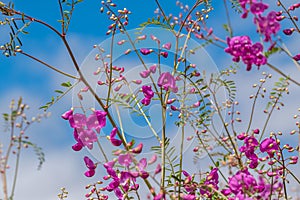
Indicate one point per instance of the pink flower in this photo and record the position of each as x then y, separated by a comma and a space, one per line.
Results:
146, 51
146, 101
167, 81
250, 143
101, 116
167, 46
138, 149
78, 146
267, 25
269, 145
125, 159
241, 184
212, 180
159, 196
87, 137
145, 74
141, 166
77, 121
157, 169
240, 47
256, 131
67, 114
148, 93
153, 159
91, 167
258, 8
164, 54
297, 57
93, 123
112, 138
152, 69
288, 31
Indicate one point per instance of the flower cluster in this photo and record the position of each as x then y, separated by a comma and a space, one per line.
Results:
211, 182
167, 81
256, 8
242, 186
250, 144
85, 127
148, 93
270, 146
124, 181
267, 25
241, 47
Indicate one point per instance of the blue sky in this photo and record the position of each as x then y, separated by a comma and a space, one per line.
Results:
20, 76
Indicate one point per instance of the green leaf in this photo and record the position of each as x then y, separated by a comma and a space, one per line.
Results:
66, 84
59, 91
5, 116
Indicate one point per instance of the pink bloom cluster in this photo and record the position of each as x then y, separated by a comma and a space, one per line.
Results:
267, 25
125, 181
241, 47
167, 81
242, 185
250, 144
255, 8
211, 181
268, 145
148, 93
85, 127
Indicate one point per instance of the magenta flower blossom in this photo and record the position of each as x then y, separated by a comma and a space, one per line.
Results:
78, 146
146, 51
212, 181
269, 145
146, 101
88, 137
152, 69
258, 8
159, 196
112, 138
164, 54
101, 116
189, 197
242, 136
242, 184
148, 93
167, 81
288, 31
267, 25
138, 149
250, 143
145, 74
91, 167
297, 57
84, 127
141, 166
67, 114
125, 159
240, 47
77, 121
167, 46
157, 169
92, 123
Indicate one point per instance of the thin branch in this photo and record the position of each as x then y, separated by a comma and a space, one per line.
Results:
283, 74
49, 66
